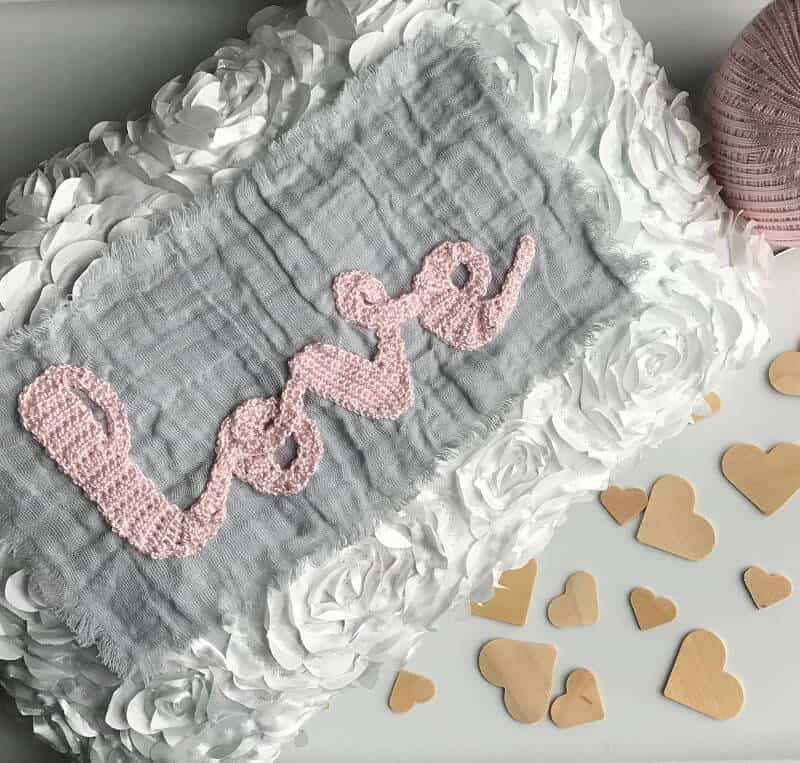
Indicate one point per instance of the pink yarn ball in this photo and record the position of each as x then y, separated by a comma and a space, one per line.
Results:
753, 106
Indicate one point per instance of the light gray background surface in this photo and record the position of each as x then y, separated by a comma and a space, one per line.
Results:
70, 63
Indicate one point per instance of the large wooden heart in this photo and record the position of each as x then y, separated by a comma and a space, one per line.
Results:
698, 678
524, 671
769, 480
578, 605
671, 524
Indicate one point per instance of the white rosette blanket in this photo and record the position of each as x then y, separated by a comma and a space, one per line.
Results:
590, 85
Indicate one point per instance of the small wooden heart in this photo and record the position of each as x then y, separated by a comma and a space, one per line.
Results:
671, 524
512, 596
409, 689
623, 504
581, 703
784, 373
524, 671
650, 610
698, 678
578, 605
710, 405
766, 589
769, 480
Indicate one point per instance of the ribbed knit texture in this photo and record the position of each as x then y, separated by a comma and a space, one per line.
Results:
753, 105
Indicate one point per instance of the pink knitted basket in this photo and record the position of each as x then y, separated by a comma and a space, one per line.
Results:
754, 113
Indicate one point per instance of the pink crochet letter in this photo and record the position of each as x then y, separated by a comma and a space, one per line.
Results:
95, 454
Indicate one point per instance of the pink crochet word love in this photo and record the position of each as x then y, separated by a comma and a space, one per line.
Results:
96, 455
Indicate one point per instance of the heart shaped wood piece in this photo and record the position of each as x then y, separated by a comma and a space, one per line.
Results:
512, 596
524, 671
765, 589
581, 703
698, 678
671, 524
784, 373
650, 610
409, 689
578, 605
711, 404
769, 480
623, 504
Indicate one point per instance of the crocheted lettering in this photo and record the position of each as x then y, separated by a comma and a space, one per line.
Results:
94, 451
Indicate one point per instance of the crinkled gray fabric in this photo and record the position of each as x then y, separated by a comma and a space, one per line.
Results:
205, 314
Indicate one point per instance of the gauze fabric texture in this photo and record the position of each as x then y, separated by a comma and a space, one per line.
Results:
207, 312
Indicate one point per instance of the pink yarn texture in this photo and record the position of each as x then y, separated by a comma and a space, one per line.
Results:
95, 453
753, 105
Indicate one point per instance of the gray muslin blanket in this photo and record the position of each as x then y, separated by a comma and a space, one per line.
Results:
205, 314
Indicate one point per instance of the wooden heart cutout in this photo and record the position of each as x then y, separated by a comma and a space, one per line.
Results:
784, 373
765, 589
650, 610
711, 405
524, 671
698, 678
623, 504
512, 596
409, 689
581, 703
578, 605
769, 480
671, 524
